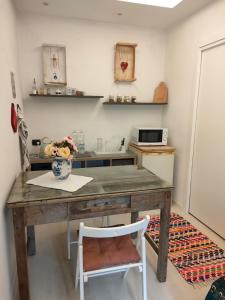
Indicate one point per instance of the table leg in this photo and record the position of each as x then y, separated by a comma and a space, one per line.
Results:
163, 239
134, 217
31, 245
21, 253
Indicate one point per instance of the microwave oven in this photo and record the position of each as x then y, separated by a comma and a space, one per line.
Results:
149, 136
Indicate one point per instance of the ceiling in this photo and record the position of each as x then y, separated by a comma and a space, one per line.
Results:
114, 11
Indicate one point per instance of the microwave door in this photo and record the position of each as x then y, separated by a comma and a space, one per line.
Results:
151, 136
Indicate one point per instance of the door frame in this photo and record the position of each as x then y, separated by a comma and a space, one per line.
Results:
205, 45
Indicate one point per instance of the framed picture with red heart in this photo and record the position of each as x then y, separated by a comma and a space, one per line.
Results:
124, 65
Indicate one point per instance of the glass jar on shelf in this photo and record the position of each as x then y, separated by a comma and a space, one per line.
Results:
78, 137
99, 147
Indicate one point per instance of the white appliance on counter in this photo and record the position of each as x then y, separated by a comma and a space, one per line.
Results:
149, 136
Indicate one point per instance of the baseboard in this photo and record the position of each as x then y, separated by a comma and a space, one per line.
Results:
179, 205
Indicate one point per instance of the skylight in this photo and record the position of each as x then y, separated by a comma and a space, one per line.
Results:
161, 3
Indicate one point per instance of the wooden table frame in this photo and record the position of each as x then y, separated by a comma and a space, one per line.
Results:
93, 206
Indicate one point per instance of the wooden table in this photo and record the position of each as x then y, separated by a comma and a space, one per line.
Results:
114, 190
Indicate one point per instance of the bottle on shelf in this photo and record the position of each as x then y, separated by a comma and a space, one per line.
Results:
34, 87
78, 137
122, 147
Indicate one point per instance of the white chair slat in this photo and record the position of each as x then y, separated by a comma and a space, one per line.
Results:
114, 231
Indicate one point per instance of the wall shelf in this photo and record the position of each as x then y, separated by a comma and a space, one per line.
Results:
67, 96
135, 103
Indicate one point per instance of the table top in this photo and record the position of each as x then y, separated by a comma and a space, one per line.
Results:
107, 182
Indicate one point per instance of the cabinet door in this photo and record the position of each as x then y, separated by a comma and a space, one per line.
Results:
160, 164
207, 200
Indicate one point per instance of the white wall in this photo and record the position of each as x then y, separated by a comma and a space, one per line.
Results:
9, 150
90, 67
181, 66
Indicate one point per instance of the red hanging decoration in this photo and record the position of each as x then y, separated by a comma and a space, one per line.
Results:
124, 65
13, 118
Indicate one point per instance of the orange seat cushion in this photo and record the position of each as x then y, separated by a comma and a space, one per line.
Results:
99, 253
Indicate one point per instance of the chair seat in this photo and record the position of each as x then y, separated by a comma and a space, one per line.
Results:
99, 253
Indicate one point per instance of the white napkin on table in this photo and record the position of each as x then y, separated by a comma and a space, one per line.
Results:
71, 184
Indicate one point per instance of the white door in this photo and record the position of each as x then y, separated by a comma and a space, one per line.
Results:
207, 198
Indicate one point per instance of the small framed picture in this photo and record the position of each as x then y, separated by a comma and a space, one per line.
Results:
54, 64
124, 65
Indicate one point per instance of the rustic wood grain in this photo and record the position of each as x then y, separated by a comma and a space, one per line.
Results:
152, 149
99, 207
134, 217
114, 190
148, 201
152, 243
45, 213
110, 181
128, 50
21, 253
31, 243
163, 238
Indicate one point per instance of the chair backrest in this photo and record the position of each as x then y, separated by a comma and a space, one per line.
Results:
113, 231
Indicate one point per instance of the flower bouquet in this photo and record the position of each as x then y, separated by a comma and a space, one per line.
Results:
62, 153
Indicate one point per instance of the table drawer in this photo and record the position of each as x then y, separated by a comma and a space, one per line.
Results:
147, 201
99, 207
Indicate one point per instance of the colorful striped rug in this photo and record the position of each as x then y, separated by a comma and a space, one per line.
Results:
194, 255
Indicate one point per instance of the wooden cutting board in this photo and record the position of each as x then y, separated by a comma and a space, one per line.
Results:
161, 93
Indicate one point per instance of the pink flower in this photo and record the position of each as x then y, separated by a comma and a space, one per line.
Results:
69, 139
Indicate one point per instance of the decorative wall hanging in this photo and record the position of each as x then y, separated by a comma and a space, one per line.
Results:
23, 134
54, 64
13, 85
13, 118
124, 62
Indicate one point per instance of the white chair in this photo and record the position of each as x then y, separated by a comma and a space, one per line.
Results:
103, 251
70, 241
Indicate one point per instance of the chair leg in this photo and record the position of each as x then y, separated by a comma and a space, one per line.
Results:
81, 273
68, 239
77, 270
81, 289
144, 275
125, 274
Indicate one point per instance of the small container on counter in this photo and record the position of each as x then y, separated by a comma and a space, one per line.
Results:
126, 99
99, 147
69, 91
133, 99
111, 99
119, 99
78, 137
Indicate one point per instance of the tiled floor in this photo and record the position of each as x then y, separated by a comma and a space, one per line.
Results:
51, 274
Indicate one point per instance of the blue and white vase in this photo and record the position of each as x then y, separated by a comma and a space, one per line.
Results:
61, 168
